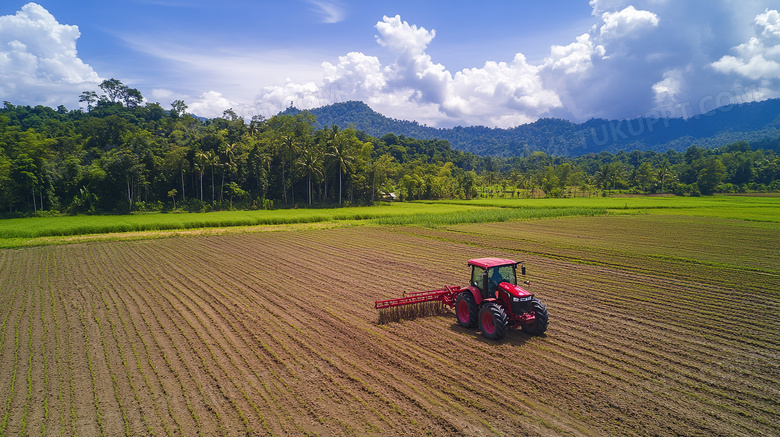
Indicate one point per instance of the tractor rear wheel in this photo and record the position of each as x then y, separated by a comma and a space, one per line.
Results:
466, 310
539, 325
493, 321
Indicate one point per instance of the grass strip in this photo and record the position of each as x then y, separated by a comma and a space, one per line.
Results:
487, 215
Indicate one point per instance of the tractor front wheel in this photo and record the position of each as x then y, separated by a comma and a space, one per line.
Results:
466, 310
493, 321
538, 326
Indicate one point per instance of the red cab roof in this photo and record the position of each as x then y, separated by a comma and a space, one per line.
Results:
487, 263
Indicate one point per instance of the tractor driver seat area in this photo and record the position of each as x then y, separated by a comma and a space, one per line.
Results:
494, 278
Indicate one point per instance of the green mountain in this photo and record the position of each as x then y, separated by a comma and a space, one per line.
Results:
756, 122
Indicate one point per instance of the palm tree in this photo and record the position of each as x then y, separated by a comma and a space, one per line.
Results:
602, 176
201, 162
342, 155
291, 144
211, 160
663, 173
255, 126
608, 173
260, 161
310, 161
381, 166
230, 154
287, 143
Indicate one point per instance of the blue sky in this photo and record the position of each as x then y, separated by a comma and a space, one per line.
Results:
441, 63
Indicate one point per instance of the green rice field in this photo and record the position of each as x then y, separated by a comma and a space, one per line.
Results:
55, 230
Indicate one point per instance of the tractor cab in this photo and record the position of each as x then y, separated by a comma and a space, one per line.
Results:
488, 273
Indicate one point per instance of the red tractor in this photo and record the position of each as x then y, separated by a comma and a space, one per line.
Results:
493, 301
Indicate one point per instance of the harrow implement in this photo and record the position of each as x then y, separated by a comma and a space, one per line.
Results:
493, 302
417, 304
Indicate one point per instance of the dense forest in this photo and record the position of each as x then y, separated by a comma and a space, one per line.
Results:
120, 155
755, 122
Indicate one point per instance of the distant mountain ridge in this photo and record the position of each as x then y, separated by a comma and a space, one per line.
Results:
755, 122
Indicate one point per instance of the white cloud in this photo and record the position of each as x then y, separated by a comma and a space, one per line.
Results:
662, 57
754, 67
769, 22
329, 11
210, 104
668, 90
576, 57
637, 55
414, 86
759, 58
305, 95
413, 68
163, 94
499, 92
357, 74
601, 6
595, 76
402, 38
39, 63
626, 23
236, 72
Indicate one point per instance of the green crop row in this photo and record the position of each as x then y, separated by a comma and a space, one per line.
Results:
11, 390
179, 377
137, 358
225, 347
91, 366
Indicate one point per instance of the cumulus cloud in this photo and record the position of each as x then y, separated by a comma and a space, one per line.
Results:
769, 23
210, 102
499, 93
638, 57
627, 22
576, 57
356, 74
759, 58
667, 90
635, 57
515, 89
414, 86
39, 63
402, 38
645, 57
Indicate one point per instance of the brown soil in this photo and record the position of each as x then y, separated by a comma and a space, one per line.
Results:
275, 333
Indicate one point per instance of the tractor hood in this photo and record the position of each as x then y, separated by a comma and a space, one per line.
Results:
514, 290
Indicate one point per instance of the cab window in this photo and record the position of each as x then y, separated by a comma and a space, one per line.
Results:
476, 276
504, 274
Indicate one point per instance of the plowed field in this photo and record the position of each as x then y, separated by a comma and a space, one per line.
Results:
658, 326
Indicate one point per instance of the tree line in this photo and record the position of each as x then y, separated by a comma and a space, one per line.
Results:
121, 155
